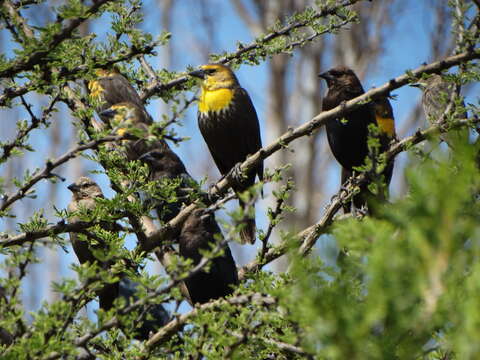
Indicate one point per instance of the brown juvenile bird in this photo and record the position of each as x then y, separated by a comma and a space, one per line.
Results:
199, 231
348, 138
111, 88
439, 101
229, 124
85, 191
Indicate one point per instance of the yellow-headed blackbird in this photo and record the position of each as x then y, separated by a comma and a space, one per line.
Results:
85, 191
125, 115
348, 136
112, 88
439, 101
229, 124
199, 231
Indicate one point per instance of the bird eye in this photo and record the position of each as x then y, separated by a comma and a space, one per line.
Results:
210, 71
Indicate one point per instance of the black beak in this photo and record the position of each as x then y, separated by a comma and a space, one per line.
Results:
109, 113
72, 187
416, 85
198, 74
327, 76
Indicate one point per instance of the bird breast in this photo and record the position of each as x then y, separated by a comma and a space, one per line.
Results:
215, 100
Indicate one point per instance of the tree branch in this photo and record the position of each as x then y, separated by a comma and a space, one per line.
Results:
46, 172
306, 129
37, 56
158, 87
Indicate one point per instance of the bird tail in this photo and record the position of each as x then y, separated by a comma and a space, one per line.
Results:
248, 231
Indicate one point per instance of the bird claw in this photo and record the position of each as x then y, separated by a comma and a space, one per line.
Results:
237, 174
212, 195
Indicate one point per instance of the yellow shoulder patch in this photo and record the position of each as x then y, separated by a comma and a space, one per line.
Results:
95, 89
386, 125
215, 100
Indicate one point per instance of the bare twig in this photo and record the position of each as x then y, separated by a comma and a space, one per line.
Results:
46, 171
37, 56
158, 87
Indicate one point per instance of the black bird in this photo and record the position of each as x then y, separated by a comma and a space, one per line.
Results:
348, 136
199, 231
229, 124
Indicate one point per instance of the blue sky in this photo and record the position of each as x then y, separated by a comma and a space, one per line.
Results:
408, 48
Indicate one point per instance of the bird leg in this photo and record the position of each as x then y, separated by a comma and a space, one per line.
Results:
238, 176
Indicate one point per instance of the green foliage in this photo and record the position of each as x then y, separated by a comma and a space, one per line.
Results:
405, 284
403, 280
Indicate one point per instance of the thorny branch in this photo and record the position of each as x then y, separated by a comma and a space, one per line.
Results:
306, 129
157, 87
46, 172
274, 218
37, 56
23, 133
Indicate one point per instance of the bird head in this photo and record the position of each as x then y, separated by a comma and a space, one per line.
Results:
427, 83
216, 76
340, 76
85, 187
123, 115
153, 157
103, 73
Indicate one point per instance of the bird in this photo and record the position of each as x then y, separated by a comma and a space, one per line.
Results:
229, 125
165, 165
439, 101
155, 317
127, 115
348, 139
85, 191
110, 87
385, 121
199, 232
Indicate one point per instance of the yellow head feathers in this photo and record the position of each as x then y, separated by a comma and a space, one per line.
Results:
218, 87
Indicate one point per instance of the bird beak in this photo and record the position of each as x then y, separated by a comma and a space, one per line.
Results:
72, 187
416, 85
146, 158
326, 76
198, 74
109, 113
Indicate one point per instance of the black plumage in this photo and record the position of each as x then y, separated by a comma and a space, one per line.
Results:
229, 124
198, 233
348, 136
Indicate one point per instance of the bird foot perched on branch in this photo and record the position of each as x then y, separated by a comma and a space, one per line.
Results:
237, 174
212, 195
